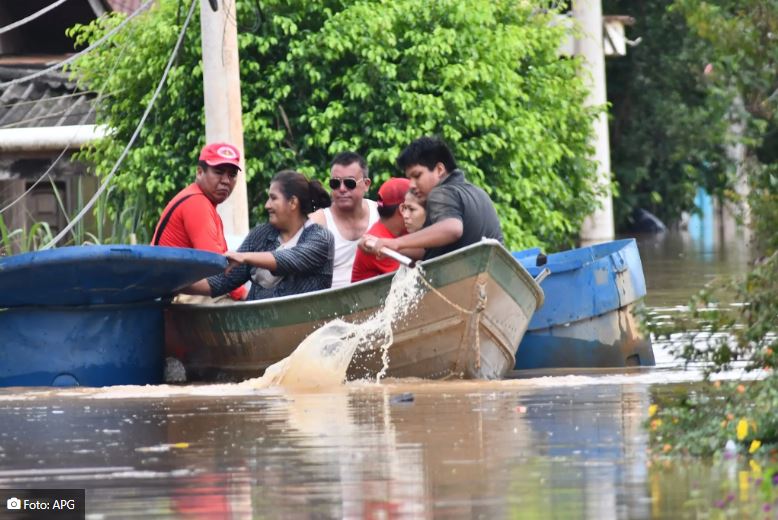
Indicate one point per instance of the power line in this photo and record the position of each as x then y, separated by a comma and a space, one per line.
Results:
62, 63
135, 134
93, 107
28, 190
52, 98
33, 16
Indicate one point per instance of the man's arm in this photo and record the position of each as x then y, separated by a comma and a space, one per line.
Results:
440, 234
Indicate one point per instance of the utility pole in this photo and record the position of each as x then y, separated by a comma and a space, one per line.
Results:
221, 93
597, 227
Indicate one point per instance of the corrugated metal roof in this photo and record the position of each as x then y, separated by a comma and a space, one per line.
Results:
49, 100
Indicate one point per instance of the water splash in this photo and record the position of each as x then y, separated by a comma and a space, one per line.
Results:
322, 359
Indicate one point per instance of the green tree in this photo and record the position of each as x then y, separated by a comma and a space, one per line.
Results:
321, 77
740, 39
670, 123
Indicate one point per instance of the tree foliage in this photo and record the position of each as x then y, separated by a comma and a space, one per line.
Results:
740, 41
670, 124
322, 77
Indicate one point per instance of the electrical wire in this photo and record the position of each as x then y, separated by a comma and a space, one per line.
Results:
96, 44
92, 108
135, 134
52, 98
33, 16
32, 187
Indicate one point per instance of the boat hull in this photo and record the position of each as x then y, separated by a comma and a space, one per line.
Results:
589, 320
608, 341
467, 327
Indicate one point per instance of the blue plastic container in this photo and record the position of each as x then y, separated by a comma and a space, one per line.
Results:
91, 315
96, 345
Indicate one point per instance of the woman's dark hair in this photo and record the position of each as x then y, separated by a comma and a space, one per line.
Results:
427, 151
311, 194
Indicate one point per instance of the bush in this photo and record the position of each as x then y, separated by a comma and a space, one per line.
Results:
321, 77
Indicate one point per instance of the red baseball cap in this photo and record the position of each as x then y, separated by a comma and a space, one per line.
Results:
392, 192
215, 154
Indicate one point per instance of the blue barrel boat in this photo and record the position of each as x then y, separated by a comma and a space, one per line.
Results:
91, 315
588, 318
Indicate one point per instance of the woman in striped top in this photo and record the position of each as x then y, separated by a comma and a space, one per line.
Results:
287, 255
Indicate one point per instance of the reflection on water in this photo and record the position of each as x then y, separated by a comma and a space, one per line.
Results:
552, 447
676, 265
368, 451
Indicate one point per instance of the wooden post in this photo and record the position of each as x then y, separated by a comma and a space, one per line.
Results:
598, 226
221, 93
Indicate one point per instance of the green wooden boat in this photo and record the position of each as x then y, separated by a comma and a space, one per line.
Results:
468, 326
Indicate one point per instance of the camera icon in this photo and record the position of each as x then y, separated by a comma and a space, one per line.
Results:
13, 503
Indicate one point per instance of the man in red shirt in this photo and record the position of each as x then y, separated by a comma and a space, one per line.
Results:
391, 195
190, 218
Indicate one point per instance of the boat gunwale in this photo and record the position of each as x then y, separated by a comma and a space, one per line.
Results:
496, 248
598, 252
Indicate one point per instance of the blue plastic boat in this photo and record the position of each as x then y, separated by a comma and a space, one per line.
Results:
91, 315
587, 320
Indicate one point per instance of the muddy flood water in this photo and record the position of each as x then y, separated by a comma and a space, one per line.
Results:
560, 446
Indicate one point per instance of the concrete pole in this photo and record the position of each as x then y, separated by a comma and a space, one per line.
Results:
221, 92
597, 227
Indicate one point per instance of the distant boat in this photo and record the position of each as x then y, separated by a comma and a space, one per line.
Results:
467, 327
587, 320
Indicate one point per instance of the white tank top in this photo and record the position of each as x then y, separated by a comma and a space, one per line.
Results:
346, 250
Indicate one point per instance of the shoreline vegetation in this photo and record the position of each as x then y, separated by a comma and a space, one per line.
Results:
712, 88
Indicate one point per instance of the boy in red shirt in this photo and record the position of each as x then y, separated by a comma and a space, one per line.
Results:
391, 195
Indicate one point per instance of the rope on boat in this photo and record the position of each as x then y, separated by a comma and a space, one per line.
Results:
477, 313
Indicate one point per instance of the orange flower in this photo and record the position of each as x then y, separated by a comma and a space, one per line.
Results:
667, 447
741, 388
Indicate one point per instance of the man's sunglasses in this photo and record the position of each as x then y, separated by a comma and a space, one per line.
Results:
349, 182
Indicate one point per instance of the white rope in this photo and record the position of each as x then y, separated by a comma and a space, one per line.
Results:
475, 321
20, 197
33, 16
135, 134
62, 63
